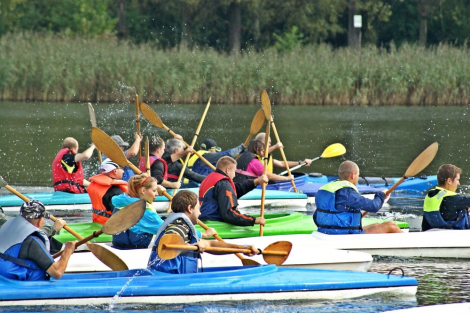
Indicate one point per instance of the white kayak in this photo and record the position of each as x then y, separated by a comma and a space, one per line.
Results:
439, 308
301, 256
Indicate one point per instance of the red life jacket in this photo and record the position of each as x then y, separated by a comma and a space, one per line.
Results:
210, 181
63, 180
143, 165
96, 190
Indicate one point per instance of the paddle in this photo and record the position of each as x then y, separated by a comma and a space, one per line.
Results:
331, 151
188, 156
244, 260
266, 104
256, 124
120, 221
263, 188
104, 255
137, 118
93, 124
418, 164
153, 118
147, 156
110, 148
171, 245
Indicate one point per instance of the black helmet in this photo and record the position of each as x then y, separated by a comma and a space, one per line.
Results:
33, 210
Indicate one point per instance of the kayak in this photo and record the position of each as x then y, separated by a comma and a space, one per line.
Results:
63, 201
214, 284
299, 257
276, 224
411, 184
438, 308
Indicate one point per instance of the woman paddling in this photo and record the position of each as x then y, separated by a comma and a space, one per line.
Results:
250, 164
139, 236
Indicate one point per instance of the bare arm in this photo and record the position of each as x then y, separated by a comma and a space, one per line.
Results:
203, 244
57, 269
85, 155
134, 149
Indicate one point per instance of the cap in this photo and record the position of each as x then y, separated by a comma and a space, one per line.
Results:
33, 210
108, 165
209, 144
117, 139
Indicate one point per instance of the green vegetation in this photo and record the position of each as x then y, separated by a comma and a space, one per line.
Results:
59, 68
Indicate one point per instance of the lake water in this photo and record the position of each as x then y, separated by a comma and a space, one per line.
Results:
382, 140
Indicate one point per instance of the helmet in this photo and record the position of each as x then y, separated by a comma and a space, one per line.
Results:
33, 210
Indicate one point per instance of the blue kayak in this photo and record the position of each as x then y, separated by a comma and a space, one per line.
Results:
214, 284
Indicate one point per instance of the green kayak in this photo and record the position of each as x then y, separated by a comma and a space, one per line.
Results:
276, 224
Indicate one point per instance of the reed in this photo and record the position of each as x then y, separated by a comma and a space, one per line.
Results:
58, 68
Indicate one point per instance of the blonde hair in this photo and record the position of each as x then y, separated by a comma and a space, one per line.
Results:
224, 162
139, 181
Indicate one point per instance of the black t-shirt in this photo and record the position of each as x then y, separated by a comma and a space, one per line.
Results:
112, 191
69, 159
34, 249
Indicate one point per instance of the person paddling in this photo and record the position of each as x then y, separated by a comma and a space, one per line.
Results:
443, 207
339, 206
186, 212
139, 236
25, 247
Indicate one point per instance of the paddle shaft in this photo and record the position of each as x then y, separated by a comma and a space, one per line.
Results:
389, 191
147, 156
82, 241
137, 120
299, 166
265, 170
193, 142
256, 124
283, 155
229, 250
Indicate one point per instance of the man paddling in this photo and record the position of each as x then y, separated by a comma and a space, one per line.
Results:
24, 248
186, 212
339, 206
218, 195
443, 207
67, 170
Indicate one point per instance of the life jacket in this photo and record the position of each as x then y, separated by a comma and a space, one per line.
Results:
13, 234
152, 159
129, 239
185, 262
200, 167
331, 221
96, 190
242, 164
432, 213
128, 173
67, 180
270, 163
209, 206
195, 157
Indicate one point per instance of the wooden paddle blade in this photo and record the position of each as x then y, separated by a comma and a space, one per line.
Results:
3, 183
108, 146
92, 115
107, 257
272, 255
334, 150
168, 254
257, 123
249, 262
422, 160
150, 115
266, 104
125, 218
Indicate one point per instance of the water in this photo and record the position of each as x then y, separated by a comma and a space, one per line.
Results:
382, 140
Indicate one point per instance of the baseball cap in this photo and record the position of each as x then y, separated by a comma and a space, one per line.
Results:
209, 144
117, 139
108, 165
33, 210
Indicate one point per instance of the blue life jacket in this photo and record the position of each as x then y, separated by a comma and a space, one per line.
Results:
185, 262
331, 221
128, 173
129, 239
209, 205
432, 213
13, 234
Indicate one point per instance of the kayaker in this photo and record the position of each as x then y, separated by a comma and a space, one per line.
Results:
186, 212
278, 163
218, 195
103, 188
139, 236
174, 151
339, 206
443, 207
158, 166
24, 248
212, 153
131, 152
250, 164
67, 170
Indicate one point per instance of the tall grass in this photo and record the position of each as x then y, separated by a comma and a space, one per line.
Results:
58, 68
